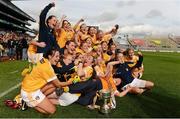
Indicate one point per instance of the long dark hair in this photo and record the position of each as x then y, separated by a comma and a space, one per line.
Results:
49, 18
50, 52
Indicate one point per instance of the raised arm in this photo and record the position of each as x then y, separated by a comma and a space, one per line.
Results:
59, 24
77, 24
113, 31
77, 38
44, 14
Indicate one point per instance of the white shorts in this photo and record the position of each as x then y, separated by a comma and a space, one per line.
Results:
32, 99
67, 98
34, 58
139, 83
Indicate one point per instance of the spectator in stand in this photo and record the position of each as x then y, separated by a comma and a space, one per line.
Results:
24, 48
11, 46
19, 49
1, 50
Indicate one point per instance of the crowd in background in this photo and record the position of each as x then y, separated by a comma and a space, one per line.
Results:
13, 45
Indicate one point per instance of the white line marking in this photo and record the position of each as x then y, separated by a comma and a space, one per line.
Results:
9, 90
13, 72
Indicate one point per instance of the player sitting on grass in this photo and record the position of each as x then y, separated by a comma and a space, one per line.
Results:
123, 71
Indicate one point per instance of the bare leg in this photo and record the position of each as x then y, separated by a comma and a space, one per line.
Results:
48, 89
47, 86
40, 110
52, 96
54, 101
136, 90
149, 85
124, 92
46, 107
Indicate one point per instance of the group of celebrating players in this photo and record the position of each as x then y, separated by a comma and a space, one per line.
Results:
70, 64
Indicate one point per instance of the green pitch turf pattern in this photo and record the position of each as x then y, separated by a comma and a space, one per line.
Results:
162, 101
10, 73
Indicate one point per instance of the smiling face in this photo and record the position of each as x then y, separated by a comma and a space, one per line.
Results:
100, 34
54, 58
83, 28
91, 31
71, 47
120, 57
104, 46
88, 60
68, 59
65, 24
99, 49
85, 47
131, 53
89, 42
52, 22
113, 47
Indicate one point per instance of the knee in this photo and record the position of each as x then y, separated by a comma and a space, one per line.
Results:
150, 84
136, 91
52, 110
139, 91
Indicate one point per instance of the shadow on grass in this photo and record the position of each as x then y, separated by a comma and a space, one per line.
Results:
158, 104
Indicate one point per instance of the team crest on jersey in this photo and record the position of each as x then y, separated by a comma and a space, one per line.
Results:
37, 98
42, 61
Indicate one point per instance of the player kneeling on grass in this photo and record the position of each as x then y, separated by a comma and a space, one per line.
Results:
34, 84
123, 71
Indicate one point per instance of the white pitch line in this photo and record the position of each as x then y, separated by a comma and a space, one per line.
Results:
13, 72
9, 90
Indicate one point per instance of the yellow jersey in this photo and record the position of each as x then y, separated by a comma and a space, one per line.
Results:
88, 72
106, 57
78, 50
82, 36
63, 37
107, 82
40, 75
133, 60
93, 38
107, 38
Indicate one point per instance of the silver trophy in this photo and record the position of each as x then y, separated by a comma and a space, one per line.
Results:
105, 102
